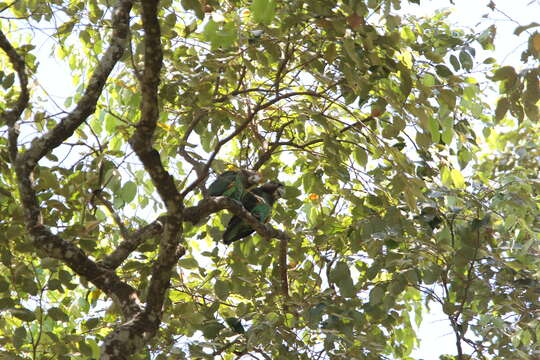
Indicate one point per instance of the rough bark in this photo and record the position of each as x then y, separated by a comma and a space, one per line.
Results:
128, 338
141, 321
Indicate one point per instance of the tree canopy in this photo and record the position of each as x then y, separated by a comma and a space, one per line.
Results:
410, 159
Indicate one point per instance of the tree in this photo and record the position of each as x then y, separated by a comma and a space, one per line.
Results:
404, 187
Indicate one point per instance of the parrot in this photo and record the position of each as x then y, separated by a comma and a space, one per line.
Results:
234, 184
259, 203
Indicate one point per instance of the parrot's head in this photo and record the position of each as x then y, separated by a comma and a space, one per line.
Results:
253, 177
275, 188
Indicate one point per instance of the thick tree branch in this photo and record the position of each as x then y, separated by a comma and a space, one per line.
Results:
130, 336
87, 104
142, 139
11, 116
196, 214
211, 205
103, 278
51, 244
134, 239
131, 242
25, 163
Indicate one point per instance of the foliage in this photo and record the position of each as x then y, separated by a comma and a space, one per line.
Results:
404, 187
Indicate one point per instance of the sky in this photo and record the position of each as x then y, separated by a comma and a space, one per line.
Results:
435, 333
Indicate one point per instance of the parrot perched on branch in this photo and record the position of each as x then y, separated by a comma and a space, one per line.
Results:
234, 184
259, 203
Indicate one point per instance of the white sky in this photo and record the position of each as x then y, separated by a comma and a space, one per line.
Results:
436, 335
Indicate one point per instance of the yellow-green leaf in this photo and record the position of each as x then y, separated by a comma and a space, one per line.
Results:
457, 178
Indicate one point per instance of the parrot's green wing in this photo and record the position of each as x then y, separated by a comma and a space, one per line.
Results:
226, 184
237, 227
259, 203
236, 189
233, 184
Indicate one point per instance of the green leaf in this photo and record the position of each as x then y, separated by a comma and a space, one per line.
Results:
431, 275
8, 81
128, 191
457, 178
23, 314
434, 127
194, 5
466, 60
455, 63
446, 176
111, 123
85, 349
523, 28
341, 275
314, 315
222, 289
448, 97
447, 135
360, 156
412, 276
503, 104
220, 35
376, 294
464, 156
428, 80
504, 73
443, 71
263, 11
212, 328
57, 314
188, 263
397, 285
19, 337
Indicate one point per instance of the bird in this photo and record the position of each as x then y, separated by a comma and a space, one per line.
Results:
259, 203
234, 183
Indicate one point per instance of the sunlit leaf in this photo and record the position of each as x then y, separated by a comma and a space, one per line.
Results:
263, 11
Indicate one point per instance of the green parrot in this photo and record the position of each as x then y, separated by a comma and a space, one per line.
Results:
234, 184
258, 202
235, 324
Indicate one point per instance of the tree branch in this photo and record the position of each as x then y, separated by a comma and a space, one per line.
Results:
103, 278
124, 232
131, 242
194, 215
87, 104
238, 130
11, 116
211, 205
283, 250
141, 141
52, 244
267, 154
